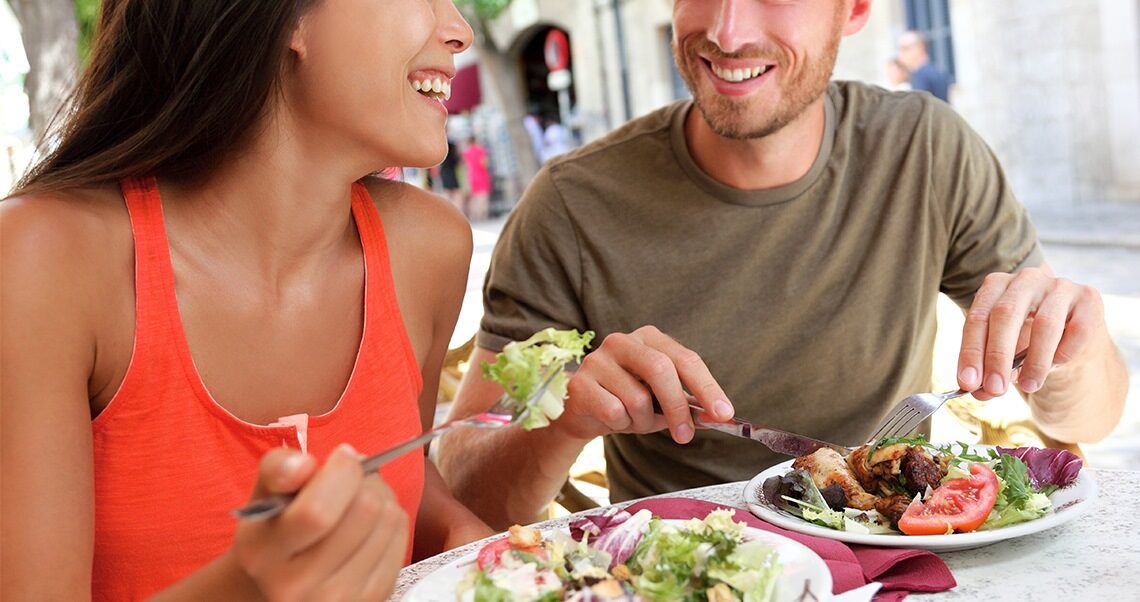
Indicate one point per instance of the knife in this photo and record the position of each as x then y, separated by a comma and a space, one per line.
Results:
781, 442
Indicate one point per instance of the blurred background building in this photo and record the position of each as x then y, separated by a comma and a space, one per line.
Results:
1052, 85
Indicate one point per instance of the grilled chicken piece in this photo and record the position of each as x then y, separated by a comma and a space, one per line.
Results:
880, 474
827, 467
893, 508
920, 470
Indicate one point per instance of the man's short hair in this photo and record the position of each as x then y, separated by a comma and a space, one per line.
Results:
912, 38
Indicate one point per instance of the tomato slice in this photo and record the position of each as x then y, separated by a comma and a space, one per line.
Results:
491, 554
960, 505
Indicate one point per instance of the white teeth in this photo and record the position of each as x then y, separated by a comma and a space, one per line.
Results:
738, 75
439, 88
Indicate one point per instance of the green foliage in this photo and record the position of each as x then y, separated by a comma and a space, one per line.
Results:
87, 14
484, 9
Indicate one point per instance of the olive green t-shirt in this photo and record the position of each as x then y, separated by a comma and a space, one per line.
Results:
813, 304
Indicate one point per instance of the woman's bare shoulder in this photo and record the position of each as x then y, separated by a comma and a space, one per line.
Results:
79, 234
420, 217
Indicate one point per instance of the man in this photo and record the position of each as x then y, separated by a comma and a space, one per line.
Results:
924, 75
791, 236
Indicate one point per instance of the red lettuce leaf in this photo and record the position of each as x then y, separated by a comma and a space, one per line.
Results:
616, 532
1047, 466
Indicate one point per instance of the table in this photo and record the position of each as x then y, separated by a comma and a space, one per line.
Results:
1094, 557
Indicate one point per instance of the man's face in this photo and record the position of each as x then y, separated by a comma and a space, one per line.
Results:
753, 66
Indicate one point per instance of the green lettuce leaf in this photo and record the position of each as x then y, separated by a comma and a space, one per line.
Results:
522, 366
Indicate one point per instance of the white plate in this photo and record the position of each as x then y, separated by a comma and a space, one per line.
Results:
1068, 503
804, 572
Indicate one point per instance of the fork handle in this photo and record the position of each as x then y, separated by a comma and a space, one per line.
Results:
272, 505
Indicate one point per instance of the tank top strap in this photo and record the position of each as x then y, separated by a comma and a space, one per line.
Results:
384, 330
155, 302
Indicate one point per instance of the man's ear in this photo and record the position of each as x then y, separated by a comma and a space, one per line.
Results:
857, 16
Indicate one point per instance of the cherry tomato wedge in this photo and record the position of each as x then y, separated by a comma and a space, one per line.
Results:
491, 554
960, 505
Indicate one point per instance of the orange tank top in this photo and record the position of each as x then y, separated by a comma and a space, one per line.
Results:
170, 463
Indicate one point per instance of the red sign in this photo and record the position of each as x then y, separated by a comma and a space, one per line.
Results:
556, 50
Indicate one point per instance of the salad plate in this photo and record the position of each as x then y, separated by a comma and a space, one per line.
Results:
1068, 503
803, 576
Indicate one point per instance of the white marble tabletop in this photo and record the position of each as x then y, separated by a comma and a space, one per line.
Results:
1094, 557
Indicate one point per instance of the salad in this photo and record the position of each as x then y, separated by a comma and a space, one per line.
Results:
619, 556
522, 367
911, 486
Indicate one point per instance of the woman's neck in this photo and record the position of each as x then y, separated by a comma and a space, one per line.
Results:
281, 206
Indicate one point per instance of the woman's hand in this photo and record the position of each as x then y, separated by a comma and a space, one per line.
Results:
343, 537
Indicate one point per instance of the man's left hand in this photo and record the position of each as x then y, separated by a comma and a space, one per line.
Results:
1053, 318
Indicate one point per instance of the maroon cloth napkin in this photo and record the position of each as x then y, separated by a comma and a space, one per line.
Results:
900, 570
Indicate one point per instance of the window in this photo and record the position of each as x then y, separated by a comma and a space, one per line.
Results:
932, 18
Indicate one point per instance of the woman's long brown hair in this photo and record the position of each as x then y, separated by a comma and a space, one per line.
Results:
172, 89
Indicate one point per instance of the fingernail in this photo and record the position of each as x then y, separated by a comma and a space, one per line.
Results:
969, 376
1029, 385
348, 449
723, 408
995, 385
292, 464
684, 433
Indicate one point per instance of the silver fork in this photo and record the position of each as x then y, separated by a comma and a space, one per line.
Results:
496, 416
911, 411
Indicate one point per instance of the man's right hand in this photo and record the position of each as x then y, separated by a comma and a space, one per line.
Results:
614, 389
344, 536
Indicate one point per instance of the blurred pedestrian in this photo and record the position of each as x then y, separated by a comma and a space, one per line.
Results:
533, 124
898, 76
478, 180
924, 75
449, 176
556, 139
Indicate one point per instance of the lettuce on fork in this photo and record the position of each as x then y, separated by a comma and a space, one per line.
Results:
522, 366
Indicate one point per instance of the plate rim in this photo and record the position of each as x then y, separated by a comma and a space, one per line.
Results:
1063, 513
822, 568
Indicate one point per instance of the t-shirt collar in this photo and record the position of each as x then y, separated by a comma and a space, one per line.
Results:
737, 196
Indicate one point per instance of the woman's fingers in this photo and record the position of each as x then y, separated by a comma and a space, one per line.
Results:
371, 570
330, 538
339, 562
321, 503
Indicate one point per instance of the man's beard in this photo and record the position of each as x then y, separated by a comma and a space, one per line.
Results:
743, 118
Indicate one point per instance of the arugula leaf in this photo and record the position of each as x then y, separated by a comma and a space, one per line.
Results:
889, 441
1015, 477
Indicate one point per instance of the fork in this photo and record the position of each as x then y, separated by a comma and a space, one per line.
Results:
911, 411
497, 416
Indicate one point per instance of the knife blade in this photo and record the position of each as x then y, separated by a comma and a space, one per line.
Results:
779, 441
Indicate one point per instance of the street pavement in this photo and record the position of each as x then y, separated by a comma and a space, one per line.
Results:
1097, 245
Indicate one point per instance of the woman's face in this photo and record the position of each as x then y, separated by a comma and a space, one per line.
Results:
356, 82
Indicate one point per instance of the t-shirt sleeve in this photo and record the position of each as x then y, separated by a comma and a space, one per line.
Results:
988, 229
534, 278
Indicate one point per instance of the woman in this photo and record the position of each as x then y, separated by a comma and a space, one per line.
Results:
203, 292
478, 180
